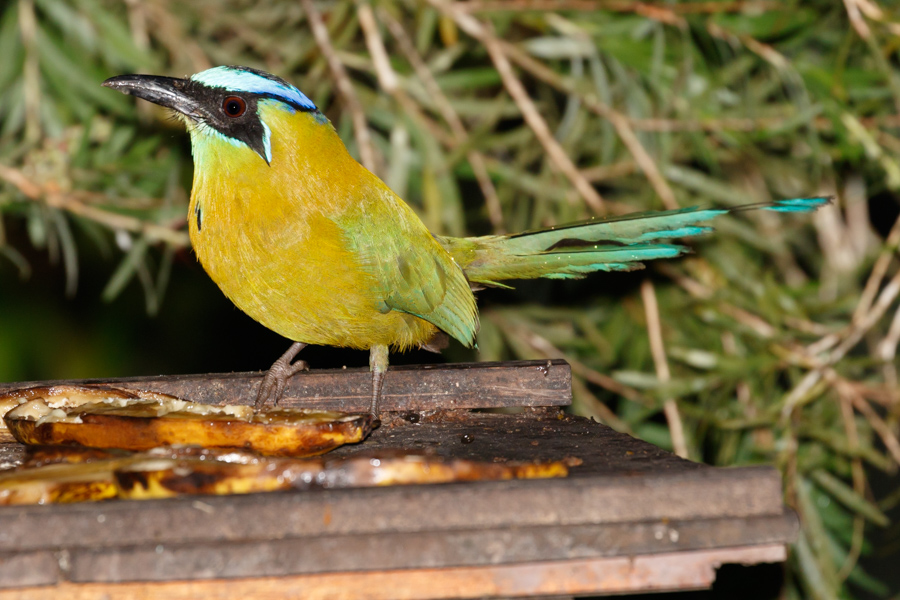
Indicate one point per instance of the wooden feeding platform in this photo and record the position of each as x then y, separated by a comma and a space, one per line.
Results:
629, 518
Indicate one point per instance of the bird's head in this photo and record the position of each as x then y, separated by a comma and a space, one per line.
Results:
227, 104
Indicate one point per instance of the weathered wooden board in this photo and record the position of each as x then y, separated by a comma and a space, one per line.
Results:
421, 387
626, 498
741, 493
420, 550
656, 573
630, 517
528, 436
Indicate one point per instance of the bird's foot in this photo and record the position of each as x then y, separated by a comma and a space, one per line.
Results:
378, 364
377, 385
273, 384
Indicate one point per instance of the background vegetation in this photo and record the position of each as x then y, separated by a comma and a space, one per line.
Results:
775, 343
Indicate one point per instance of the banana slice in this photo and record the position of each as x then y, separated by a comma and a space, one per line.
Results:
223, 474
59, 396
62, 475
101, 417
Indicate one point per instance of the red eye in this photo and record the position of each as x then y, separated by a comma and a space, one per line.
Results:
234, 106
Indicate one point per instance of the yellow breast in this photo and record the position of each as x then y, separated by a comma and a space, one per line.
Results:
268, 236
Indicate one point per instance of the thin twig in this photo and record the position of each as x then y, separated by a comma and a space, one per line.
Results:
859, 481
367, 154
879, 269
858, 328
856, 19
620, 123
693, 287
866, 313
843, 343
881, 394
532, 116
762, 327
658, 350
662, 125
764, 51
887, 352
387, 78
598, 407
617, 6
799, 393
476, 159
56, 199
700, 291
881, 428
594, 376
599, 173
497, 51
640, 154
137, 22
806, 326
547, 350
169, 31
31, 73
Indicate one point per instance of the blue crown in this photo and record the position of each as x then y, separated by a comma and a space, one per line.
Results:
252, 81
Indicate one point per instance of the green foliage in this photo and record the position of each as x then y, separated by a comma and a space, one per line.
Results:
778, 338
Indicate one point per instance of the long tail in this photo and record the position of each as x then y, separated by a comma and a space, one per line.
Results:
614, 244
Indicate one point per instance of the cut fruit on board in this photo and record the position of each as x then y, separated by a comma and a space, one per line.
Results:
63, 475
103, 417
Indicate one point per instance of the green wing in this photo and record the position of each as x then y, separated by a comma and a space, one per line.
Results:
415, 274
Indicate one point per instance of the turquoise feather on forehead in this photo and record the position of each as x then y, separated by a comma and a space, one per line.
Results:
251, 81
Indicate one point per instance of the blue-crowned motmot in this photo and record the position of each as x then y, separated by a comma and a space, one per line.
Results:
311, 244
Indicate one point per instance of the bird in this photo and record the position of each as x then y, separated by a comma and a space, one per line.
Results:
312, 245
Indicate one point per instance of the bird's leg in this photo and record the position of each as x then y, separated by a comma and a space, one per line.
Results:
273, 384
378, 364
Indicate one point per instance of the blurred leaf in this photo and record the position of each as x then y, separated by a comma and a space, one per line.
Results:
126, 270
844, 494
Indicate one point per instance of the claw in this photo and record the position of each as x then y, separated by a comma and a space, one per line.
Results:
273, 384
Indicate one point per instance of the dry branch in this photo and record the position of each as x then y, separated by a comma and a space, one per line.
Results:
67, 202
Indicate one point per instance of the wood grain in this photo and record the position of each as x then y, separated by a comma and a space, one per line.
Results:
421, 387
662, 572
421, 550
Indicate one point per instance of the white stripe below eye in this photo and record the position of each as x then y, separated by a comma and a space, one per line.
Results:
267, 141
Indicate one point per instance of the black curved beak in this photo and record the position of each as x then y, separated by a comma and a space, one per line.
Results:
165, 91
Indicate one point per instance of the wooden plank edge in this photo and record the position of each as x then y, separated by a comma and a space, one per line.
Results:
390, 551
738, 492
29, 569
661, 572
406, 388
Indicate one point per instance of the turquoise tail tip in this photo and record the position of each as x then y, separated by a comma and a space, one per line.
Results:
798, 205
